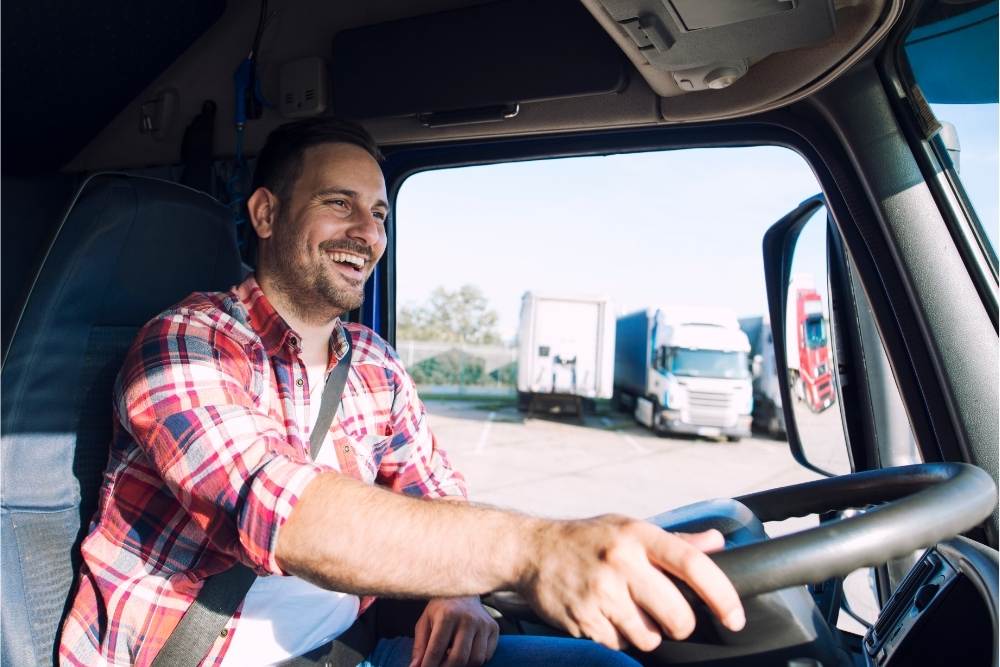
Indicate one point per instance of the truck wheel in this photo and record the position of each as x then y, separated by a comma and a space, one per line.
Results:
657, 430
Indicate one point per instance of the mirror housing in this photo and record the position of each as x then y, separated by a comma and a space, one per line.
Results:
779, 249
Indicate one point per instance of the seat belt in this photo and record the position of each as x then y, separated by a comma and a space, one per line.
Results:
221, 594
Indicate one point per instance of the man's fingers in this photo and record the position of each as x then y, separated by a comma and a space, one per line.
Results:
707, 541
663, 603
437, 643
461, 647
678, 557
635, 626
598, 628
421, 633
480, 651
493, 636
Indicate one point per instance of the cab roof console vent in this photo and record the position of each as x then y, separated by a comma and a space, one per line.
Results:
711, 45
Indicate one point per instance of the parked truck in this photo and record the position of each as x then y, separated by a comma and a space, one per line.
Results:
767, 413
684, 370
565, 355
808, 345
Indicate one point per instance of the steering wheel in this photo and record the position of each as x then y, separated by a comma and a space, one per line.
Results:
918, 506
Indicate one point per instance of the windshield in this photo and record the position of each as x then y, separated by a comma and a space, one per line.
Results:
815, 332
708, 363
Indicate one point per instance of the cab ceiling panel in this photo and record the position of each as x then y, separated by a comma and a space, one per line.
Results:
70, 67
712, 44
719, 59
464, 65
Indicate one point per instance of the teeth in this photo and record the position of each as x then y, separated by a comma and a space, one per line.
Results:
353, 260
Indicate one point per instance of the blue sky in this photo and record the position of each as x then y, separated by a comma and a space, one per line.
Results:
671, 227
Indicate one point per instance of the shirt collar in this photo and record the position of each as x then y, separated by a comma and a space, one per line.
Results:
274, 332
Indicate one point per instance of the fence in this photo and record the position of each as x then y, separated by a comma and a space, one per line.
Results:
459, 368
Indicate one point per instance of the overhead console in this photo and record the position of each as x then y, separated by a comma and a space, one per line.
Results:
730, 58
711, 45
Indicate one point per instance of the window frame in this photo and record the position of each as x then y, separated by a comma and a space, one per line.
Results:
944, 183
815, 129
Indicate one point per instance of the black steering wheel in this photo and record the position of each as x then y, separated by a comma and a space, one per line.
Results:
917, 507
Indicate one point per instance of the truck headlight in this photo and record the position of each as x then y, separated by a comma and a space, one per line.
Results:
675, 397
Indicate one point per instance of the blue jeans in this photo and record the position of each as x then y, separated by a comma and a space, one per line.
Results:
514, 651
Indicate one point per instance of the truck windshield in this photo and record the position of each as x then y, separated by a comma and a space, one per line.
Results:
708, 363
815, 332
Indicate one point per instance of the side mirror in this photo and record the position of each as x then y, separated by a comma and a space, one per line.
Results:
795, 267
757, 366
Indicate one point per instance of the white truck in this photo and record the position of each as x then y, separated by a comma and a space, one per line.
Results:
566, 349
685, 370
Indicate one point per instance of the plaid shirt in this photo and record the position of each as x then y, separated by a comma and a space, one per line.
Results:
210, 455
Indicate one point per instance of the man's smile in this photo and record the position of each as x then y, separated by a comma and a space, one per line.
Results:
349, 263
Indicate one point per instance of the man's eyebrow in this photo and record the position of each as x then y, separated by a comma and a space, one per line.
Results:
326, 192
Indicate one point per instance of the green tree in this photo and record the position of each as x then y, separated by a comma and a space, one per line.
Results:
454, 316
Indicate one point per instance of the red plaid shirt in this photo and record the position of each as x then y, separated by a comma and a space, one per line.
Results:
210, 455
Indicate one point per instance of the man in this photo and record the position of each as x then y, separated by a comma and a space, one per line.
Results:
210, 466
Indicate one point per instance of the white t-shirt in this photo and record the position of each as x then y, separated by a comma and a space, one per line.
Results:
284, 617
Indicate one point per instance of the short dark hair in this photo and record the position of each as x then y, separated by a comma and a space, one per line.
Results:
279, 163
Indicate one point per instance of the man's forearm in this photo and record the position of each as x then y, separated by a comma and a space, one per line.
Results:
352, 537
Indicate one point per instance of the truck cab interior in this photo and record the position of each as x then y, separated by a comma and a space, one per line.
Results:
129, 136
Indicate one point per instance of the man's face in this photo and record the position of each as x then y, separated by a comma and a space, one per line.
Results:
330, 233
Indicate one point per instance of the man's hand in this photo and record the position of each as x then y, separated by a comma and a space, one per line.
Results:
604, 578
454, 632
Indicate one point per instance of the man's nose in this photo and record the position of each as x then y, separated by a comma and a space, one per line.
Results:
365, 228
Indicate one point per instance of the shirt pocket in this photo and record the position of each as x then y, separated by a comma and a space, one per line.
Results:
368, 451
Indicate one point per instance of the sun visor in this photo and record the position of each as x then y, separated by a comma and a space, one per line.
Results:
473, 64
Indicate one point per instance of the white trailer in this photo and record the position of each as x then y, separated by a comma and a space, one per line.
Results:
566, 352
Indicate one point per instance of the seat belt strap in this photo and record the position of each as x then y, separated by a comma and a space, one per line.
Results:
221, 594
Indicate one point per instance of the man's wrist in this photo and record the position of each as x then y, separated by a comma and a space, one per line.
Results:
527, 542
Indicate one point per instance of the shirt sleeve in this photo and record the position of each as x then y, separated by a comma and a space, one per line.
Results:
186, 394
413, 463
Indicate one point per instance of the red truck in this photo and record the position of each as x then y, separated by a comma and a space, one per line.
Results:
809, 362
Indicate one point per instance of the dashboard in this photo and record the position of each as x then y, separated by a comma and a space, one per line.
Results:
944, 612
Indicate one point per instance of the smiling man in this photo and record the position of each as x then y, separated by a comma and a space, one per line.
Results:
211, 466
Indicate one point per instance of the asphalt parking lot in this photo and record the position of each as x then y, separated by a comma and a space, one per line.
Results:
559, 467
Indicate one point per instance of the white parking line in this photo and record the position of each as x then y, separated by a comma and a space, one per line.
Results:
485, 433
633, 443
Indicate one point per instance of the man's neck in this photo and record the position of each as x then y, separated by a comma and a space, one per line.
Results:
315, 335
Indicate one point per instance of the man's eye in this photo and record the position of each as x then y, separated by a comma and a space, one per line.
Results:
379, 215
336, 202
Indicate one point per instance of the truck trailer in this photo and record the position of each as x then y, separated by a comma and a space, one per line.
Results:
685, 370
767, 413
566, 348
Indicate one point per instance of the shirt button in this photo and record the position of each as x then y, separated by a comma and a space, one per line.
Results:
299, 382
347, 449
225, 631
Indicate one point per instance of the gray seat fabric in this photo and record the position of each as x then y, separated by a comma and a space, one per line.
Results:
128, 248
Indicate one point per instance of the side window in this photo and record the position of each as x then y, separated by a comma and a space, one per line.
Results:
952, 54
818, 353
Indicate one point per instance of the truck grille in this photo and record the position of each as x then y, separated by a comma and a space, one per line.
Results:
709, 408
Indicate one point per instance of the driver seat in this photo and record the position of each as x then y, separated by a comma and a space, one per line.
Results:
128, 248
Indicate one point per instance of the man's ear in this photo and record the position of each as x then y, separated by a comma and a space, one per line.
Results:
263, 209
